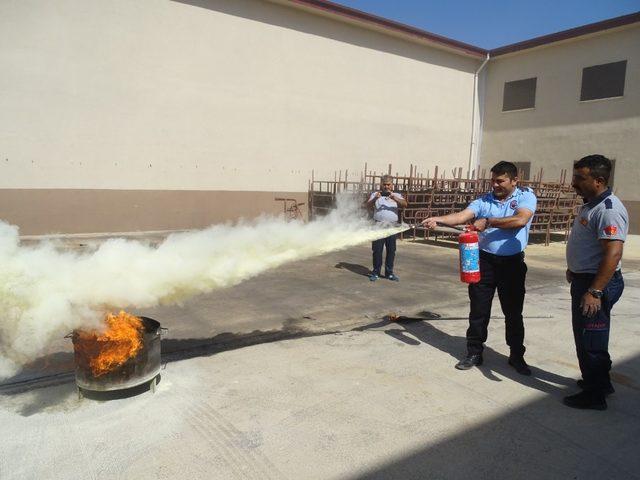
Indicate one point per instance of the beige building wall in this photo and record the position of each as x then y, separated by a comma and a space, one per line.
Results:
561, 128
207, 96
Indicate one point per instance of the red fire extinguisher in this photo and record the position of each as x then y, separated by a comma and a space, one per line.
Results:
469, 255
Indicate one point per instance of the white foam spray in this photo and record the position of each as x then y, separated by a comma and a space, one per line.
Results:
46, 291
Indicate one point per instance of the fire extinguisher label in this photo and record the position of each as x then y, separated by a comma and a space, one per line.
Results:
469, 257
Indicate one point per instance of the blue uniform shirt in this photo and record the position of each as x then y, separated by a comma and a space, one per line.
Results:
504, 241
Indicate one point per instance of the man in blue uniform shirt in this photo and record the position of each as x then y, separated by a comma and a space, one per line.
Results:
503, 218
594, 253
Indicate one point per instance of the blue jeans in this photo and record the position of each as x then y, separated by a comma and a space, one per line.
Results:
591, 334
377, 247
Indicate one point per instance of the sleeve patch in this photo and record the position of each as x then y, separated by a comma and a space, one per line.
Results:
610, 230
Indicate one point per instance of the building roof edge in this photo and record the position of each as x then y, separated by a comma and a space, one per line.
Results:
567, 34
333, 8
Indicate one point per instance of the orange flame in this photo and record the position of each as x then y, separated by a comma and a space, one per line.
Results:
105, 351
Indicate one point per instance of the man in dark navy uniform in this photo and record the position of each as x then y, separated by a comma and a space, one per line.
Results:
594, 254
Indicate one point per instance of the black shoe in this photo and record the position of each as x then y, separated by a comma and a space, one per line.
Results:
469, 362
586, 401
520, 365
607, 391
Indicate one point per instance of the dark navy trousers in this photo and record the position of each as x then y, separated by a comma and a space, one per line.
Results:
591, 334
377, 246
506, 275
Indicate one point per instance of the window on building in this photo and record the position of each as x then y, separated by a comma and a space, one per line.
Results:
603, 81
519, 94
524, 170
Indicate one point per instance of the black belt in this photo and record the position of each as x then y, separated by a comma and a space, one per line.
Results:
493, 258
582, 275
617, 273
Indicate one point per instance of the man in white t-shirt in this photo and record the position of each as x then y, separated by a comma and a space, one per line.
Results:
385, 204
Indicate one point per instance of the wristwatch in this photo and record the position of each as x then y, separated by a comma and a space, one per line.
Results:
596, 293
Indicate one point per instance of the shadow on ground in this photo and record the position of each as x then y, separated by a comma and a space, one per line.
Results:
541, 439
58, 391
354, 267
48, 391
416, 330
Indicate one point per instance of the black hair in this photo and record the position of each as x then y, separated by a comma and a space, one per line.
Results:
505, 168
599, 166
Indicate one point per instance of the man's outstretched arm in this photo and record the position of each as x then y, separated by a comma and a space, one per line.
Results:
452, 219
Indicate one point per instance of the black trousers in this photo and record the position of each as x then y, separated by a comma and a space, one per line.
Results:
507, 275
377, 247
591, 334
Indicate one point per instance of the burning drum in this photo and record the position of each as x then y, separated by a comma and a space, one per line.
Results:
124, 355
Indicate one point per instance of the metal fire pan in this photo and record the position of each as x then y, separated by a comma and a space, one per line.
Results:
142, 368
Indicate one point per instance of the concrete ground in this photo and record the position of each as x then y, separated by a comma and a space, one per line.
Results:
298, 374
